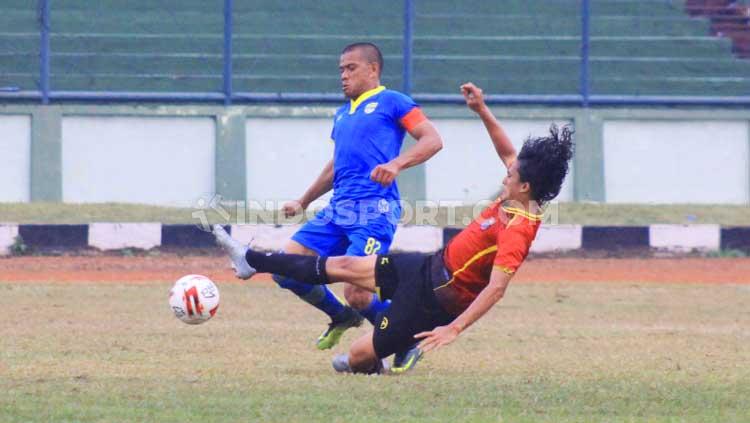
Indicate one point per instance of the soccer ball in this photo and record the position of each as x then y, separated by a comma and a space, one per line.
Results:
194, 299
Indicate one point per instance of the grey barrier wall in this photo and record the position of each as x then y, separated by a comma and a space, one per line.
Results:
678, 239
177, 154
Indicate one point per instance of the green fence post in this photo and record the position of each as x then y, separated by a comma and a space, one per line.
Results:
589, 157
46, 154
231, 183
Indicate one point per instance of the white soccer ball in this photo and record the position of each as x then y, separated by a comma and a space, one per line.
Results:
194, 299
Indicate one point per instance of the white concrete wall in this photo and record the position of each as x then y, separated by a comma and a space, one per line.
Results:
685, 237
551, 238
676, 162
15, 158
8, 234
422, 239
264, 237
151, 160
115, 236
284, 156
170, 160
468, 169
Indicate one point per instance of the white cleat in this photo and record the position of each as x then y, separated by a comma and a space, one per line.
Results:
236, 251
340, 363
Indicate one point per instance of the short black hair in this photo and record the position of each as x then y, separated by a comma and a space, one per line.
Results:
543, 162
370, 51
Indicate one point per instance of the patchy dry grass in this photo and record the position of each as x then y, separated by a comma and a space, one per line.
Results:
549, 352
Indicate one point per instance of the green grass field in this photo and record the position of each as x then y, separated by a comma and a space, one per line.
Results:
578, 213
549, 352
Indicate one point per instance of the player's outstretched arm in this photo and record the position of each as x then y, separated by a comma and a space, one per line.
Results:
321, 185
428, 144
490, 295
475, 100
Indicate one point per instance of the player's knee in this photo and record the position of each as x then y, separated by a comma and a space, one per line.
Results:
344, 268
344, 265
294, 247
361, 360
358, 298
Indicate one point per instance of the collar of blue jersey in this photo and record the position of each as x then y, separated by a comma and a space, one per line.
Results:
362, 97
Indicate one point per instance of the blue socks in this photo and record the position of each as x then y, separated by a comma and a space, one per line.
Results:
376, 306
318, 296
326, 301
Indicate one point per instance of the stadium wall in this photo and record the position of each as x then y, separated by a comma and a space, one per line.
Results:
556, 239
15, 158
178, 154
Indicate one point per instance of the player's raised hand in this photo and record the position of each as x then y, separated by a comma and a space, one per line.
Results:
385, 174
473, 96
433, 339
292, 208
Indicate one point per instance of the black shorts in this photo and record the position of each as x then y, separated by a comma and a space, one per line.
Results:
407, 280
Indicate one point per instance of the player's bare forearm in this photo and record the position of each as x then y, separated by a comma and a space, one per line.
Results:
428, 144
499, 138
490, 295
322, 184
475, 101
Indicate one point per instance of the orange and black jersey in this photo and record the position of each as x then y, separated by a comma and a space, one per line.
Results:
499, 238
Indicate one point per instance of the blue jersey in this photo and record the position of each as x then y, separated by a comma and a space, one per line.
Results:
367, 132
362, 216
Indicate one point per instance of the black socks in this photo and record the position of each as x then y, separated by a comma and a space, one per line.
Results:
309, 269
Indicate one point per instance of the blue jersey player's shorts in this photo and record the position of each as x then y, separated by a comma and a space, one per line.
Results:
327, 237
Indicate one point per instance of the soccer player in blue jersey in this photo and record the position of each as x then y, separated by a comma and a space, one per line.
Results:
361, 218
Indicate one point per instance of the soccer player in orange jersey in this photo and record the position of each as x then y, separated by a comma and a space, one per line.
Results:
436, 297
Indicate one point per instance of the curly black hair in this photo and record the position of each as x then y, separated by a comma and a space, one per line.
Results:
543, 162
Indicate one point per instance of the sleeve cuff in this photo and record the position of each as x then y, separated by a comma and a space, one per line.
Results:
412, 119
504, 269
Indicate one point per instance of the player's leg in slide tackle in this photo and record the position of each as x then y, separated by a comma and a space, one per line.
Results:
365, 241
237, 252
